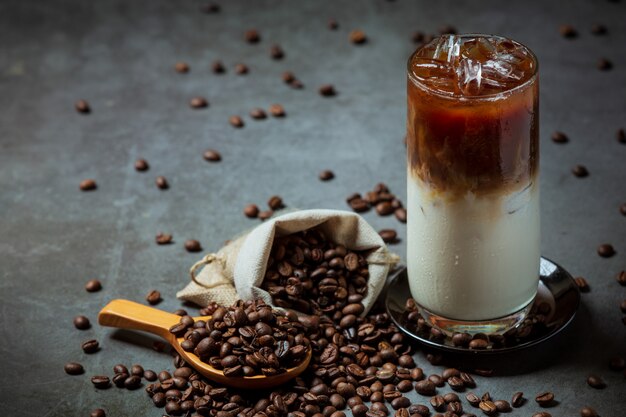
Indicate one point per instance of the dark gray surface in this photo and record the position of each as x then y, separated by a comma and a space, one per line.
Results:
119, 56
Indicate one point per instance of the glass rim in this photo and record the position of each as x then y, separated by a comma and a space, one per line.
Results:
491, 96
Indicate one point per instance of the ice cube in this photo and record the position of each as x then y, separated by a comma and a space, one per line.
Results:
469, 76
448, 48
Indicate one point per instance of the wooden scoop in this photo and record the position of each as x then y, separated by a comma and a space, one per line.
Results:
126, 314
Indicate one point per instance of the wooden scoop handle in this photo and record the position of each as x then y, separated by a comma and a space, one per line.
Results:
126, 314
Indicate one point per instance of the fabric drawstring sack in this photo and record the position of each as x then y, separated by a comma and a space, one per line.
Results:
237, 270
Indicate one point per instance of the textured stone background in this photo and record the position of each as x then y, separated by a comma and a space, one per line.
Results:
119, 56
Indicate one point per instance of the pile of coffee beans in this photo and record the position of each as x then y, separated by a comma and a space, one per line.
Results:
308, 273
384, 202
246, 339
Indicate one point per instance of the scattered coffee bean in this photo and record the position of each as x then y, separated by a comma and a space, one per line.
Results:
595, 381
326, 175
545, 399
163, 238
258, 114
606, 250
241, 69
93, 285
582, 284
265, 214
425, 387
417, 37
478, 344
277, 110
73, 368
588, 412
296, 84
141, 165
559, 137
193, 245
218, 67
181, 67
252, 36
276, 52
288, 77
81, 323
132, 382
580, 171
621, 136
621, 278
400, 214
604, 64
275, 202
88, 185
236, 121
101, 381
332, 24
473, 399
251, 211
542, 414
488, 407
161, 182
599, 29
518, 399
98, 412
90, 346
388, 235
212, 155
82, 107
149, 375
153, 297
327, 90
503, 406
358, 37
568, 31
198, 103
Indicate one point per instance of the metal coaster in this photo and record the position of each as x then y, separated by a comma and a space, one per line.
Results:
553, 309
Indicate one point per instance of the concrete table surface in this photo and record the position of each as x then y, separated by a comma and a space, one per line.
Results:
120, 57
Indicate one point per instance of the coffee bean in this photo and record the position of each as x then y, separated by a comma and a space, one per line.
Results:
518, 399
265, 214
568, 31
456, 383
595, 381
182, 67
478, 344
161, 183
582, 284
326, 175
88, 185
236, 121
73, 368
251, 211
275, 203
400, 214
98, 412
93, 285
503, 406
277, 110
81, 323
82, 106
559, 137
473, 399
604, 64
212, 155
141, 165
388, 235
193, 245
153, 297
276, 52
588, 412
545, 399
90, 346
163, 238
296, 84
218, 67
384, 208
580, 171
621, 278
417, 37
461, 339
621, 136
101, 381
359, 205
598, 29
425, 387
332, 24
241, 69
438, 403
252, 36
258, 114
357, 37
467, 379
327, 90
149, 375
132, 382
606, 250
542, 414
198, 103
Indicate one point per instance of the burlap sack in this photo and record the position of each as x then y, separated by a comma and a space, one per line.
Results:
237, 270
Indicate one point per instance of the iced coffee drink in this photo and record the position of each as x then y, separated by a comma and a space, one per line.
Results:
473, 190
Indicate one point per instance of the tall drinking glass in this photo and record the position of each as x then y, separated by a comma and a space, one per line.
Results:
473, 182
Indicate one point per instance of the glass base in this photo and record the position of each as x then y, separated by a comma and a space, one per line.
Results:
499, 325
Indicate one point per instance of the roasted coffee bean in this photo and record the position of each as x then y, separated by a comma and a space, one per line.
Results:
236, 121
251, 211
90, 346
327, 90
141, 165
502, 406
588, 412
82, 107
258, 114
173, 408
358, 37
542, 414
419, 409
478, 344
119, 379
276, 52
406, 361
568, 31
193, 245
488, 407
621, 278
473, 399
456, 383
518, 399
595, 381
212, 155
136, 370
486, 396
438, 403
400, 214
88, 185
163, 238
218, 67
582, 284
384, 208
198, 103
101, 381
98, 412
545, 399
153, 297
359, 410
277, 110
81, 323
400, 402
559, 137
437, 380
604, 64
388, 235
425, 387
93, 285
326, 175
275, 203
265, 214
467, 379
240, 69
132, 382
161, 182
402, 412
181, 67
332, 24
252, 36
149, 375
73, 368
580, 171
606, 250
454, 407
450, 372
